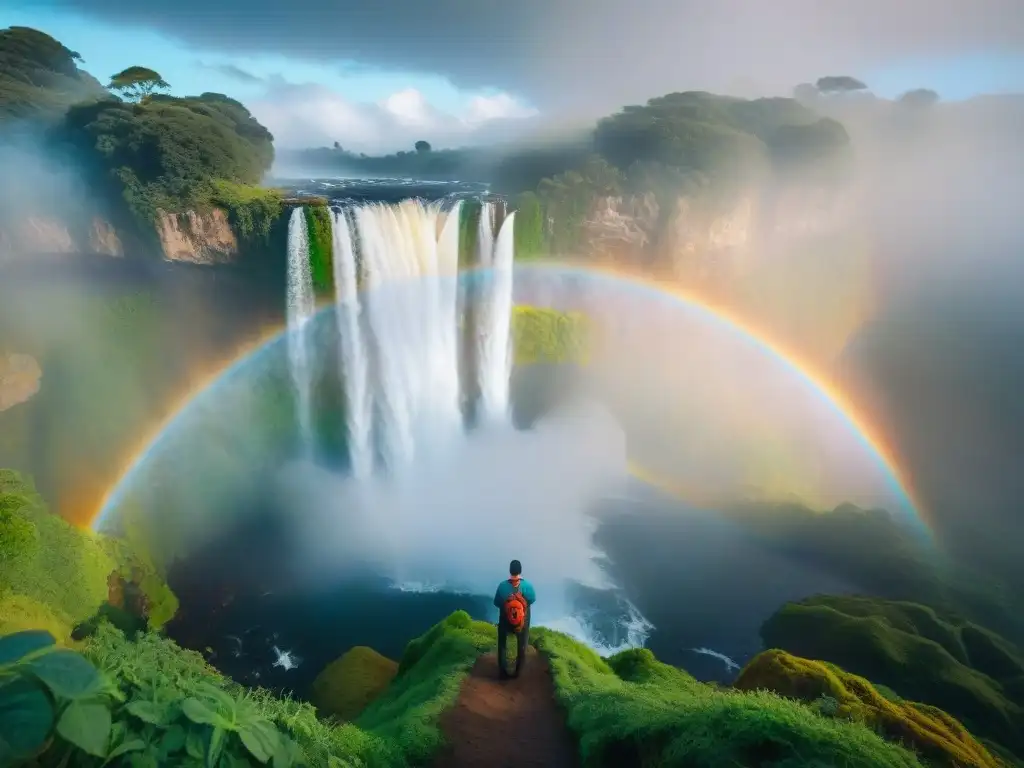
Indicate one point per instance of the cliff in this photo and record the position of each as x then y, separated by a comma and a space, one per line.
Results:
20, 376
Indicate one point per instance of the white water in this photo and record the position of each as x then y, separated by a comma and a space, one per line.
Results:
301, 306
432, 519
495, 360
354, 363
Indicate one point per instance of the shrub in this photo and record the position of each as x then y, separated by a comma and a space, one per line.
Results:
347, 685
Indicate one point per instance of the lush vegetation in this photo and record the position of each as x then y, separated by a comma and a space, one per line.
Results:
321, 247
56, 576
631, 709
39, 77
346, 686
548, 336
144, 154
920, 653
938, 738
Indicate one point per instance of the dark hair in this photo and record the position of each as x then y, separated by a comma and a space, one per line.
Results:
515, 568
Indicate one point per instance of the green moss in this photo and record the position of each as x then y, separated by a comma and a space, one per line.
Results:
252, 211
347, 685
936, 736
321, 247
530, 226
917, 652
19, 613
633, 710
67, 571
548, 336
469, 230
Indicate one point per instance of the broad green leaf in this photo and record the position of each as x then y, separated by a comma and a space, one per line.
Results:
199, 712
66, 673
144, 760
26, 719
213, 752
195, 744
261, 738
18, 645
148, 711
86, 724
173, 740
132, 745
288, 753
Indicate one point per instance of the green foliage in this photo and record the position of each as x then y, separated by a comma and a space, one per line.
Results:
39, 77
633, 710
530, 224
321, 246
68, 569
916, 651
137, 83
19, 613
49, 695
149, 156
348, 684
469, 227
423, 146
569, 197
936, 736
252, 211
548, 336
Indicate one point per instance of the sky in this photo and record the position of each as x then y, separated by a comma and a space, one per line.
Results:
378, 76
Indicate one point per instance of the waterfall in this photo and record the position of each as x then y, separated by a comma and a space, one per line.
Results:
410, 271
352, 350
493, 333
301, 306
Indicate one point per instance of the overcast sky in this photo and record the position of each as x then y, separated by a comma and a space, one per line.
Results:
380, 74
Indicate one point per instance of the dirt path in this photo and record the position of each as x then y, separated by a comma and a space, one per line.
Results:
507, 723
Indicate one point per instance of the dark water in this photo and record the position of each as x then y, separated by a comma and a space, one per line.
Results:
353, 191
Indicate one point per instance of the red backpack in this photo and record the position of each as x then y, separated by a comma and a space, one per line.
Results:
515, 608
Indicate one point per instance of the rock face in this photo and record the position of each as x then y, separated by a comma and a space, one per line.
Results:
197, 238
51, 235
20, 376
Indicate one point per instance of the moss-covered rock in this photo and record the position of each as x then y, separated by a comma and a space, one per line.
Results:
542, 335
19, 613
935, 735
321, 247
919, 653
348, 684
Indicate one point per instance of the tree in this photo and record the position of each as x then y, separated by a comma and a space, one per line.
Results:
919, 98
805, 93
337, 146
137, 83
839, 84
423, 146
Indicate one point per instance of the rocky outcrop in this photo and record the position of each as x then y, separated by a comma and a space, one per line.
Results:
51, 235
20, 376
197, 238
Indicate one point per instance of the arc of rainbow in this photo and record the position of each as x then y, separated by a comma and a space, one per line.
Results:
832, 394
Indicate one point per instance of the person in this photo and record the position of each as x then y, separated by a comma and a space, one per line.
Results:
513, 599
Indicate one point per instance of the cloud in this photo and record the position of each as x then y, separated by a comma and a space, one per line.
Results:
594, 55
309, 114
232, 71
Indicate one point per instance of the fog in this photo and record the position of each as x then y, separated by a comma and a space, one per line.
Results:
457, 514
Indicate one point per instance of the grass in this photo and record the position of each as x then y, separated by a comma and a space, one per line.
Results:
918, 653
347, 685
633, 710
399, 728
321, 247
935, 735
251, 210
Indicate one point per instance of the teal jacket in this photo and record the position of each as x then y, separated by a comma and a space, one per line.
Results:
505, 589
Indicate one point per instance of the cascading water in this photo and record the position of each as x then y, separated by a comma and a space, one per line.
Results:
410, 270
301, 306
494, 357
352, 353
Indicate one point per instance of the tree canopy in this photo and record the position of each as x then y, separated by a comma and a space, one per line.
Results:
137, 83
423, 146
39, 77
919, 97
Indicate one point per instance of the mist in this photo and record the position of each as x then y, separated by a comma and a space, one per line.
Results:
454, 518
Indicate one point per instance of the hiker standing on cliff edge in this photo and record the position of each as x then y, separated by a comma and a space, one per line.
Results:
513, 600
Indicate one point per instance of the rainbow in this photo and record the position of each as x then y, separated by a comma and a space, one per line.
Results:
871, 437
